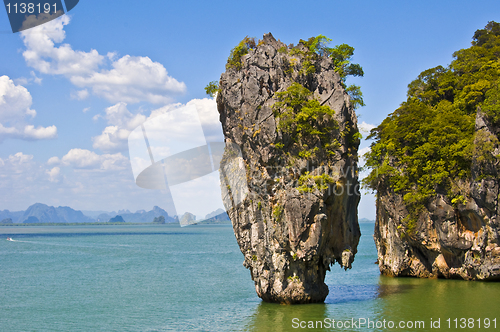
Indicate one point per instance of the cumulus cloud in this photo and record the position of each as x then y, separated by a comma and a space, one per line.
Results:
365, 128
132, 79
86, 159
42, 54
121, 122
209, 117
15, 110
53, 161
40, 132
53, 174
20, 158
129, 79
15, 101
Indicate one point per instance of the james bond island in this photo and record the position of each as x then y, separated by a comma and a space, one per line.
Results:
435, 168
289, 115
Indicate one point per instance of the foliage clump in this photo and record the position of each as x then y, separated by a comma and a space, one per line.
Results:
303, 118
426, 145
278, 212
234, 60
341, 56
320, 182
212, 88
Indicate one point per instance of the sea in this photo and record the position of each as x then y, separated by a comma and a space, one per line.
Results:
168, 278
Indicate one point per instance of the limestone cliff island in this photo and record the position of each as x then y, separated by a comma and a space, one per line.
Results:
435, 167
291, 135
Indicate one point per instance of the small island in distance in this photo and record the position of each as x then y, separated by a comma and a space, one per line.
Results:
43, 215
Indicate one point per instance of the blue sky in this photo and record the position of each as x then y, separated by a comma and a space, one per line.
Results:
82, 83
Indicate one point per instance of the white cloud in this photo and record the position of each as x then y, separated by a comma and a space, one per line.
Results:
365, 128
129, 79
42, 55
122, 122
80, 158
364, 150
132, 79
209, 117
15, 107
361, 153
111, 139
80, 95
21, 81
86, 109
53, 161
30, 132
53, 174
15, 101
20, 158
85, 159
26, 81
35, 79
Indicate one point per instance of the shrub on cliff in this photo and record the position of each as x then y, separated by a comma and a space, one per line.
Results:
304, 118
234, 60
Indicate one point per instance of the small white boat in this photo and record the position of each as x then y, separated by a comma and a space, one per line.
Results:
9, 239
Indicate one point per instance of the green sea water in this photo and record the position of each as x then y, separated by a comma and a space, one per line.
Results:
167, 278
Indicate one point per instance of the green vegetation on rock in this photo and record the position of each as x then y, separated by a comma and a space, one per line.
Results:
341, 55
278, 212
303, 118
234, 60
316, 47
426, 146
320, 182
212, 88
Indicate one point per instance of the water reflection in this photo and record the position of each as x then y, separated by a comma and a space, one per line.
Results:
424, 300
282, 318
392, 286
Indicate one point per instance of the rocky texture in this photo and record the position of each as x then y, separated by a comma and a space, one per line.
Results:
289, 238
448, 241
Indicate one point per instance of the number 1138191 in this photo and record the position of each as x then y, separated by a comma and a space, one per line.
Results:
31, 8
471, 323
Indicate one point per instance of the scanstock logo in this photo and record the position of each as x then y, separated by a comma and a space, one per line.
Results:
25, 15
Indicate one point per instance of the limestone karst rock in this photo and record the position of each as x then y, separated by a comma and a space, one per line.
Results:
447, 242
291, 195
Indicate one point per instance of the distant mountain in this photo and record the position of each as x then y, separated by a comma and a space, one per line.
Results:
94, 214
117, 219
140, 216
41, 213
219, 216
365, 220
6, 214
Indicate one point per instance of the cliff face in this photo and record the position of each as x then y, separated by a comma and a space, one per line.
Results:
447, 242
292, 202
